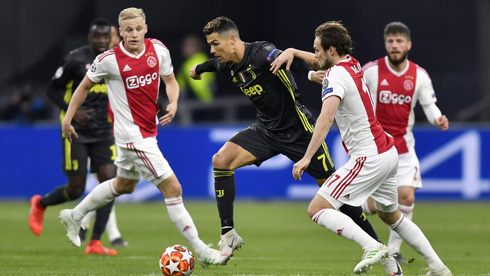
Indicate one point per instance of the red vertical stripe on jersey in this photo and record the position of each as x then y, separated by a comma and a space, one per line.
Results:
141, 81
383, 141
394, 101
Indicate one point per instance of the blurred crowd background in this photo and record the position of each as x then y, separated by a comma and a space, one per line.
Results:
450, 40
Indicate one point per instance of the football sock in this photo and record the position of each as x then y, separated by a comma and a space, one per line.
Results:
59, 195
184, 223
111, 227
356, 214
412, 234
98, 197
224, 184
395, 241
342, 225
101, 218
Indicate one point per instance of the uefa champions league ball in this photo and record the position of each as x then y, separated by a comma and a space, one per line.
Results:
177, 260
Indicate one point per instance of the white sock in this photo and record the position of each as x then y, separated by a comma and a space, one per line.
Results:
395, 241
98, 197
412, 234
183, 221
111, 226
342, 225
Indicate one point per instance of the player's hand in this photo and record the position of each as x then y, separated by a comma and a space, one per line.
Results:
285, 57
193, 74
82, 116
300, 167
68, 130
442, 122
317, 76
167, 118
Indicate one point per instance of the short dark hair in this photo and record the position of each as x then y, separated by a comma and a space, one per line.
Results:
397, 28
99, 22
333, 33
220, 25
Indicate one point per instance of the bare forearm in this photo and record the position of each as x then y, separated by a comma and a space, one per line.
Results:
307, 57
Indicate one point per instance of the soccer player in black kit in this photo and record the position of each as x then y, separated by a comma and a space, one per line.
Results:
95, 135
283, 126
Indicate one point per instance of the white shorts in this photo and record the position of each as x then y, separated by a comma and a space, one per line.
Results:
409, 170
142, 159
363, 177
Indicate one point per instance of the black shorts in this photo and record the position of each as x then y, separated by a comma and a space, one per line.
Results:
76, 154
264, 147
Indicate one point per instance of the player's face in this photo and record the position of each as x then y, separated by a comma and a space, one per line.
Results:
100, 38
133, 33
221, 47
321, 54
397, 47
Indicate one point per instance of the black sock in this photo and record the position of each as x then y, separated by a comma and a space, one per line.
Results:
358, 216
101, 218
224, 184
59, 195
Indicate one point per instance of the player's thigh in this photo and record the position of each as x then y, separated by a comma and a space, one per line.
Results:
143, 158
75, 155
247, 147
321, 165
102, 156
170, 187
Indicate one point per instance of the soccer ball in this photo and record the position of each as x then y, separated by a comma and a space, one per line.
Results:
177, 260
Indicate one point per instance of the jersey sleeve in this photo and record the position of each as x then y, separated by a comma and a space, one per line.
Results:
371, 78
332, 84
57, 86
211, 65
97, 72
166, 67
426, 93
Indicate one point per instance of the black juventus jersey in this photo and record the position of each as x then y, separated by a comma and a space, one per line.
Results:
280, 111
63, 85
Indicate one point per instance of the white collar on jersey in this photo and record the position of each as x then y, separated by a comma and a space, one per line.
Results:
395, 72
130, 54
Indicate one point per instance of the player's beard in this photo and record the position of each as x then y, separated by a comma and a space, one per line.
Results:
399, 60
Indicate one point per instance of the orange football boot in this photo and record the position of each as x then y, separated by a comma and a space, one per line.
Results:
95, 247
36, 215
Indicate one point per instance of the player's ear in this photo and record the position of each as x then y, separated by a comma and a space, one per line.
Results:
409, 45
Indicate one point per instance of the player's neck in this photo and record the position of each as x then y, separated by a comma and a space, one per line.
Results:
398, 67
239, 53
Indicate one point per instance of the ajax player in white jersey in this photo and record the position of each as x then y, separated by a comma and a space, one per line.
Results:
132, 72
396, 85
373, 162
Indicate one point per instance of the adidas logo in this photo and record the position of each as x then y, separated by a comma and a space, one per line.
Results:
347, 196
384, 82
127, 68
187, 227
340, 231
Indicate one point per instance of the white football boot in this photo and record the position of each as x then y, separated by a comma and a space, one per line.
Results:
229, 242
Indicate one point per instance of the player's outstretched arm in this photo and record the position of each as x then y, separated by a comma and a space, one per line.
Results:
193, 74
287, 57
322, 127
76, 101
172, 88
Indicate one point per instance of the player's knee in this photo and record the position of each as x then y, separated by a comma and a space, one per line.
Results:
219, 161
75, 191
406, 199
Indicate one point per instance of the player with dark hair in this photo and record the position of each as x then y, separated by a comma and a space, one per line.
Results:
371, 169
396, 85
95, 140
283, 126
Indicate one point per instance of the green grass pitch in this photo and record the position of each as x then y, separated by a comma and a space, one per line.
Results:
279, 237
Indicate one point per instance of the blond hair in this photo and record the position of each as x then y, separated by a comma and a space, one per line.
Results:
131, 13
